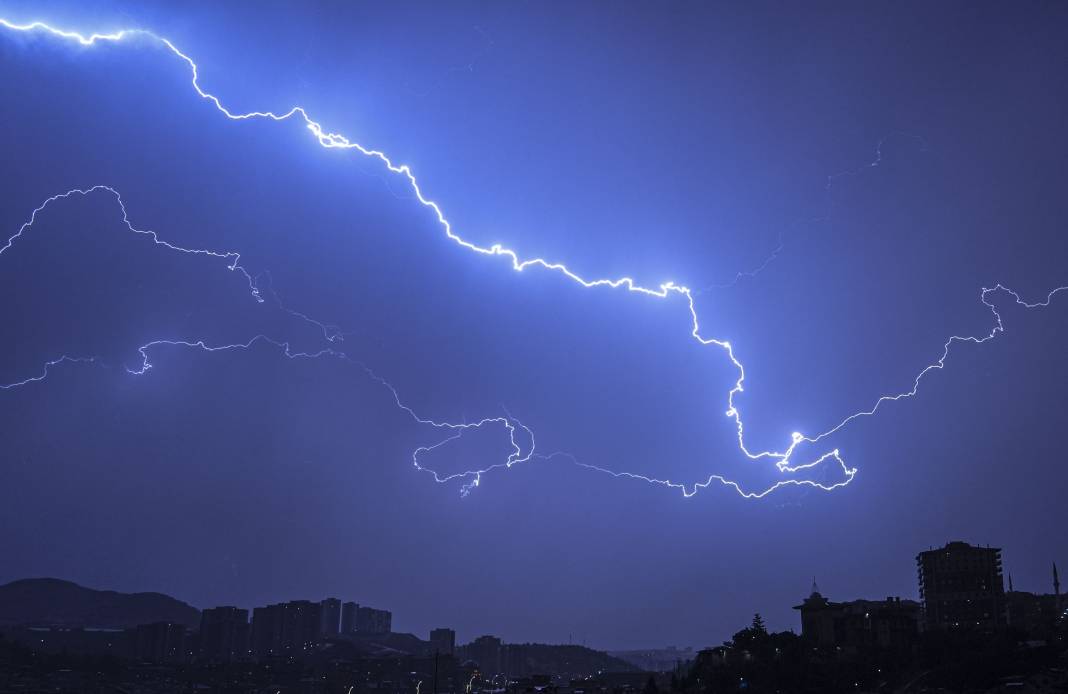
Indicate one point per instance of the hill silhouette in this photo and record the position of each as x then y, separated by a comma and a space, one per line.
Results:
51, 601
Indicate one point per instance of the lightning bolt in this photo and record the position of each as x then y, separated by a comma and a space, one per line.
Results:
782, 462
47, 368
783, 459
748, 274
519, 453
333, 334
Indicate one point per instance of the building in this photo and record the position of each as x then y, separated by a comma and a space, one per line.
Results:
285, 627
331, 617
514, 661
443, 641
486, 651
301, 620
860, 625
224, 634
372, 621
267, 630
961, 587
348, 617
160, 642
1034, 614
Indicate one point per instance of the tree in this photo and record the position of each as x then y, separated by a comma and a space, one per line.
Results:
758, 624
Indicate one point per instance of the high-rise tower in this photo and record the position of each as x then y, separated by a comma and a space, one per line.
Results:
961, 587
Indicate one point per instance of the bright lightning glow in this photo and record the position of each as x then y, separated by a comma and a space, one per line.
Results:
666, 290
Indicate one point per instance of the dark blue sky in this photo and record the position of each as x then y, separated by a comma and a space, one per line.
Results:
880, 163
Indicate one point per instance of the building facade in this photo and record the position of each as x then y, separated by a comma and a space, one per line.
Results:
860, 625
267, 630
961, 587
348, 617
161, 642
331, 617
224, 634
443, 641
301, 620
372, 621
486, 651
1034, 614
286, 627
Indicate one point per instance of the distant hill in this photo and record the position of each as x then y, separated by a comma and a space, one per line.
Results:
567, 660
656, 659
52, 601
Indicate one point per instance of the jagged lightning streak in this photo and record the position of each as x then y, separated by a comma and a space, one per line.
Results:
233, 257
332, 333
997, 328
748, 274
332, 140
473, 477
47, 369
830, 183
782, 459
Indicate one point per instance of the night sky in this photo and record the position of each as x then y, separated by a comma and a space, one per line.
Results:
836, 184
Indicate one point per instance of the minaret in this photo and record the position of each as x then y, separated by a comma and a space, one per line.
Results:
1008, 603
1056, 589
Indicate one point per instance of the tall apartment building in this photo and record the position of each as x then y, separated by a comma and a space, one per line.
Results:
224, 634
372, 621
486, 651
285, 627
961, 587
443, 641
348, 617
331, 617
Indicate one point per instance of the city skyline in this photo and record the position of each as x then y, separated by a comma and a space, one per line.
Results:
332, 616
967, 631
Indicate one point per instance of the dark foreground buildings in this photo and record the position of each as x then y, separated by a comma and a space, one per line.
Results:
289, 628
967, 634
961, 590
860, 625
